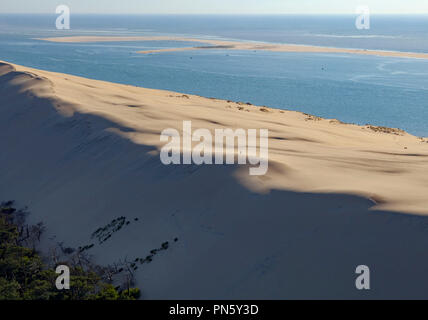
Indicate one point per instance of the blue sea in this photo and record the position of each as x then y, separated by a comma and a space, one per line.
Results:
357, 89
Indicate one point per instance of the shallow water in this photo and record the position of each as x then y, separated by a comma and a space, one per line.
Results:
359, 89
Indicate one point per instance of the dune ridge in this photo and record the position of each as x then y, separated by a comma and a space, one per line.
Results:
235, 45
305, 151
82, 152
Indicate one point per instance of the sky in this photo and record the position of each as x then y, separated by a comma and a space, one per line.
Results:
216, 6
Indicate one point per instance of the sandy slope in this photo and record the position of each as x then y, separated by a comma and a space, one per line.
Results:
82, 152
237, 45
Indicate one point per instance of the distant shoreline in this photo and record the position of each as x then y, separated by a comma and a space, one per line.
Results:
236, 45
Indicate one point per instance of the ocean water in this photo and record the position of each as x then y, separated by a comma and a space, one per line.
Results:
358, 89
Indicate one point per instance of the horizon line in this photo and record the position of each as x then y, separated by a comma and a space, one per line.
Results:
223, 14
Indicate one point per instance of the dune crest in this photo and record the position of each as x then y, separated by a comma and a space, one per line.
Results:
306, 153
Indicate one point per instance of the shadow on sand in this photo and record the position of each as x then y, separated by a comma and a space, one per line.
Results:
75, 175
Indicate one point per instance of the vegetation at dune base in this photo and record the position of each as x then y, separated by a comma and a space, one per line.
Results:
25, 274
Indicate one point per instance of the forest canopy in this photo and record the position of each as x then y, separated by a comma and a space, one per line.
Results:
26, 274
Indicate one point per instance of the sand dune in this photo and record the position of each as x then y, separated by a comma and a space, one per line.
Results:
237, 45
82, 152
305, 151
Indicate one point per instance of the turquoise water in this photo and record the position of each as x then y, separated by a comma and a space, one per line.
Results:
359, 89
